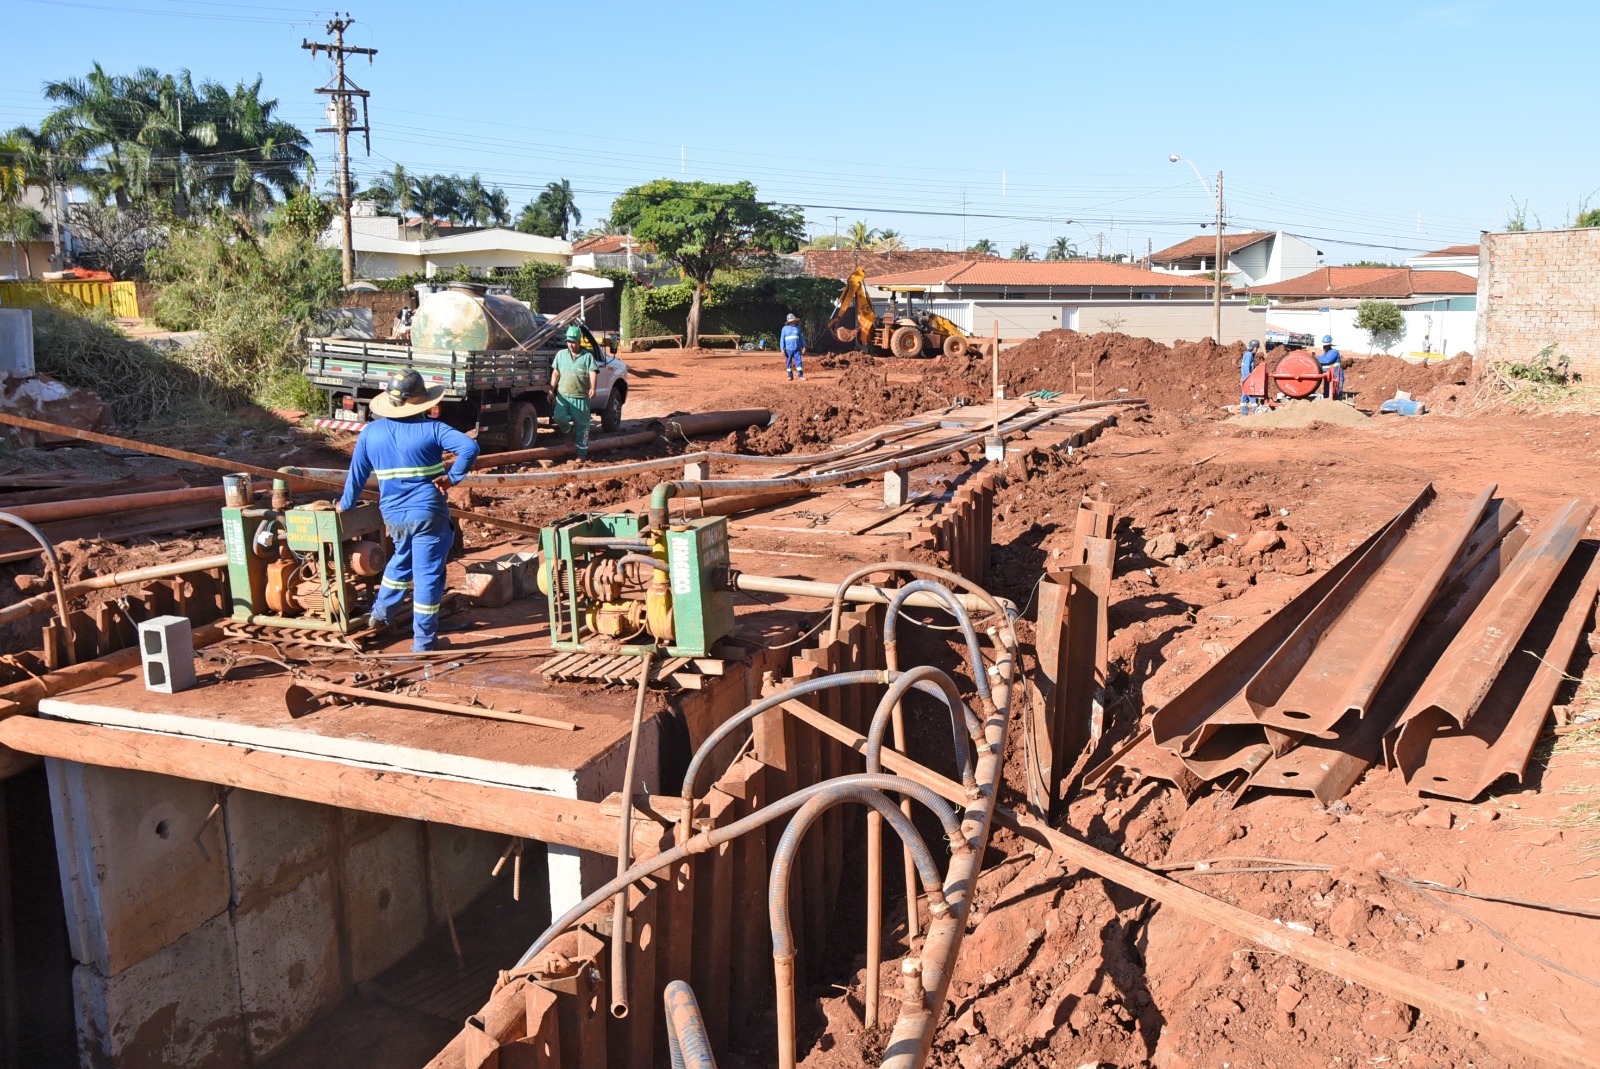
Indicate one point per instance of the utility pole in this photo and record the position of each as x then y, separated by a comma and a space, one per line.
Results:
342, 113
1216, 290
835, 219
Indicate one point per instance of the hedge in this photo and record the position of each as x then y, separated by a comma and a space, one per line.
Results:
751, 310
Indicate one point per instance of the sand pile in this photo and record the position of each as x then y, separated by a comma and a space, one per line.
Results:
1303, 414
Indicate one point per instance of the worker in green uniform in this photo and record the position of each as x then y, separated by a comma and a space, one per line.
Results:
572, 376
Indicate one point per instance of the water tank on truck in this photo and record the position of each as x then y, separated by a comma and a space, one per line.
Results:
466, 316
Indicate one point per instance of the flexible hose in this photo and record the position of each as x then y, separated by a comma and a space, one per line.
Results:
54, 562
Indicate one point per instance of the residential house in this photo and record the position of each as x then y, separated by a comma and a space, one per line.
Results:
1027, 298
1253, 258
1462, 258
1439, 307
382, 250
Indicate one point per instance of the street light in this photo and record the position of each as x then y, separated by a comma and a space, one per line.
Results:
1216, 289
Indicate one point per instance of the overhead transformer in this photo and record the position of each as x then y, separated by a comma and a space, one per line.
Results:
310, 568
613, 582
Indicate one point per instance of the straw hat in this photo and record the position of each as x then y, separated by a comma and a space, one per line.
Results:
407, 395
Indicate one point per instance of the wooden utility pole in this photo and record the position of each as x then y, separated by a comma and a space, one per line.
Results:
1216, 290
342, 113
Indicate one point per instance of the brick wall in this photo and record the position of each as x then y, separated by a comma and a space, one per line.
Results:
1539, 288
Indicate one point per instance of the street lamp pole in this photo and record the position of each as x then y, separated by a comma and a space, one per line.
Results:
1216, 288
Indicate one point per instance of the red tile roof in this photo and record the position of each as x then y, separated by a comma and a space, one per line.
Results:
609, 243
1206, 245
838, 263
1059, 273
1451, 250
1369, 282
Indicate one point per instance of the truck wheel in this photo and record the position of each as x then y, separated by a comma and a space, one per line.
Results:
522, 425
906, 342
611, 415
955, 346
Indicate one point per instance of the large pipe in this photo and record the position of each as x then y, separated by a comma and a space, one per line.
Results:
53, 562
694, 423
52, 511
41, 602
862, 593
619, 908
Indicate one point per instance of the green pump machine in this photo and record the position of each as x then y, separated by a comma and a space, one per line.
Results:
615, 584
310, 568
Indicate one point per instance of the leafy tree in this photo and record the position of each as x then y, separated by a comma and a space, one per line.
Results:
497, 208
15, 178
391, 192
1374, 263
1382, 320
552, 214
704, 227
983, 247
1022, 252
1589, 218
1061, 249
533, 219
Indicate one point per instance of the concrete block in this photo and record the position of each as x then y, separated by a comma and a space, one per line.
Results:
166, 649
489, 583
288, 961
16, 342
385, 899
141, 866
698, 470
895, 488
177, 1009
273, 842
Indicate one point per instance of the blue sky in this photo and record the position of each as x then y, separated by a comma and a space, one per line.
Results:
1374, 129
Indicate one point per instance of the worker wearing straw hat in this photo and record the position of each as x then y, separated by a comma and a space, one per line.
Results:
405, 450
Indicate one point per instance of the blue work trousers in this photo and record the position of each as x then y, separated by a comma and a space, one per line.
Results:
421, 545
791, 363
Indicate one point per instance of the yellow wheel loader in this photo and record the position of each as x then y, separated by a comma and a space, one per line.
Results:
916, 332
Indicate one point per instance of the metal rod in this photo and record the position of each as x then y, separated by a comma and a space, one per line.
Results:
39, 602
619, 907
870, 595
386, 698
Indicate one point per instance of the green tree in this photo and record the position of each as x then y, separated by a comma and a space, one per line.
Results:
497, 208
888, 241
859, 236
15, 178
391, 192
1382, 320
1022, 252
983, 247
1589, 218
705, 227
1061, 249
560, 207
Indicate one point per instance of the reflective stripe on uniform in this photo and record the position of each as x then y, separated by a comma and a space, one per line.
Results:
426, 610
392, 585
385, 474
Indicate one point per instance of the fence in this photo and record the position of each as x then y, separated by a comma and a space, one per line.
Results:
121, 298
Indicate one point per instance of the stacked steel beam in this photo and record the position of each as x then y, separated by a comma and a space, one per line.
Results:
1437, 646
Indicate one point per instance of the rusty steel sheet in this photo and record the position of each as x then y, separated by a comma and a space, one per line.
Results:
1330, 668
1181, 724
1466, 671
1142, 759
1462, 761
1328, 768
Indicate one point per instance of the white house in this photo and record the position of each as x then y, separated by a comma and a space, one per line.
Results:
1462, 258
1254, 258
382, 251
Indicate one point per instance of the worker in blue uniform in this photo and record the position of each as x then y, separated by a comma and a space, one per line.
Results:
405, 450
573, 378
1247, 364
793, 344
1332, 364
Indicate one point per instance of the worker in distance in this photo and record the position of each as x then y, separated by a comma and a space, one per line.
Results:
793, 343
405, 450
573, 380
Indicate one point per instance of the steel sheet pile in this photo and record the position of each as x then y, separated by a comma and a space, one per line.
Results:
1437, 646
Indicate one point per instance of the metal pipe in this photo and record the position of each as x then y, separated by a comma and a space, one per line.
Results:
978, 599
688, 1043
864, 594
707, 840
665, 491
39, 602
77, 508
783, 949
54, 564
619, 908
952, 603
963, 725
695, 423
642, 558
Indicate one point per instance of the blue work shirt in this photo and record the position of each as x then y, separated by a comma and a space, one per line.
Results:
1329, 358
407, 455
1247, 363
790, 340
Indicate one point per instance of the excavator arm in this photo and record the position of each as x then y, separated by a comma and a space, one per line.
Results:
853, 318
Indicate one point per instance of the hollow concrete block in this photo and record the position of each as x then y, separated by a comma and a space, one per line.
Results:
166, 651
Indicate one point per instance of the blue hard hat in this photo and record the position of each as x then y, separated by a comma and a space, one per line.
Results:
1327, 339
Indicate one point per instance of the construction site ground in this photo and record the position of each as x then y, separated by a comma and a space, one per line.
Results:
1221, 521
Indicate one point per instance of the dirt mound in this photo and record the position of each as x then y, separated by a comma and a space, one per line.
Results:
1376, 378
862, 398
1194, 377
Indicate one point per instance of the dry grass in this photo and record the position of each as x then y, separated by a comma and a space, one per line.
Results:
1583, 816
1496, 389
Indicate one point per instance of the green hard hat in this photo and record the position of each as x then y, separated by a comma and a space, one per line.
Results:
574, 333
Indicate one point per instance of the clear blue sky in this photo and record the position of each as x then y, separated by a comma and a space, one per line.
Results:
1398, 125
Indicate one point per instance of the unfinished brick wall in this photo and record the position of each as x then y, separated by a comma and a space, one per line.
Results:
1539, 288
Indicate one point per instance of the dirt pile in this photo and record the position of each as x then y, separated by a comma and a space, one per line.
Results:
1194, 377
1376, 378
862, 398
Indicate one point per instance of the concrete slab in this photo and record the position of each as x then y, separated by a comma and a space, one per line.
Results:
140, 863
288, 949
464, 860
385, 899
176, 1009
273, 842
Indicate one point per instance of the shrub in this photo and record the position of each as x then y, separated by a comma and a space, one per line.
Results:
1547, 368
1382, 320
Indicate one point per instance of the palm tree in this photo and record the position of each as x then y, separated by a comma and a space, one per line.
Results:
391, 192
559, 206
983, 247
498, 207
1061, 249
1022, 252
428, 195
888, 241
15, 178
260, 155
475, 201
94, 116
859, 236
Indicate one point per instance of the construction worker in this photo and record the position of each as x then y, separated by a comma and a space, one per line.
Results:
1247, 364
793, 344
1332, 364
405, 450
573, 378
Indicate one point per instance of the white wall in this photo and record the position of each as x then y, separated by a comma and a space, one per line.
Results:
1449, 332
1291, 258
